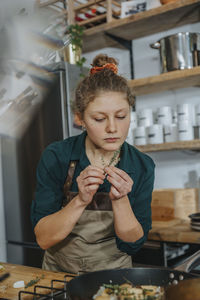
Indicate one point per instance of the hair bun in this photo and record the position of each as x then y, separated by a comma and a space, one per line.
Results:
102, 59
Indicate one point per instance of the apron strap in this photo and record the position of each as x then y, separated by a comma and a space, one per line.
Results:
69, 178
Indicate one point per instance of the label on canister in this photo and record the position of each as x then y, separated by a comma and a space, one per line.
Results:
155, 134
145, 117
185, 131
164, 115
139, 136
170, 133
185, 112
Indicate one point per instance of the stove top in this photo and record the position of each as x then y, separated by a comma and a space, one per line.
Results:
42, 292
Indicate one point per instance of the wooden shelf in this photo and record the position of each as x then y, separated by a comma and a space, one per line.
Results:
179, 145
166, 81
155, 20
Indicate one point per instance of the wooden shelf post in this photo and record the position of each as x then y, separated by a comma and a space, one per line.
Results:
71, 14
109, 11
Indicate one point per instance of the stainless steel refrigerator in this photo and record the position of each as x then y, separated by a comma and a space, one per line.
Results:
28, 123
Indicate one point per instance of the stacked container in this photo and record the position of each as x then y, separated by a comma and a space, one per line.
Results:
166, 124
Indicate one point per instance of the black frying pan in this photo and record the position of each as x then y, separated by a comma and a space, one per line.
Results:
86, 285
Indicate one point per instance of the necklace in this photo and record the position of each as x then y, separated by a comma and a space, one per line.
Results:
114, 159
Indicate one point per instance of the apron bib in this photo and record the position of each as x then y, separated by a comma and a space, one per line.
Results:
91, 245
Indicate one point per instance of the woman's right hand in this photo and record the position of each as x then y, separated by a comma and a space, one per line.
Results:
88, 183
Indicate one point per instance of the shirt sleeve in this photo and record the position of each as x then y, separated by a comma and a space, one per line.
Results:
49, 189
142, 210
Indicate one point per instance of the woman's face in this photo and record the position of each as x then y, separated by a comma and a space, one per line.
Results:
107, 120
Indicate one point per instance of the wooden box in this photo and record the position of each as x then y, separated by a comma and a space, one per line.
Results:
169, 204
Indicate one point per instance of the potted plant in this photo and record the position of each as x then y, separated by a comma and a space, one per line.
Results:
74, 49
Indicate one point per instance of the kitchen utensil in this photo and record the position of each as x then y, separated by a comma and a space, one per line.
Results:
179, 51
195, 217
86, 285
186, 290
195, 227
195, 221
4, 276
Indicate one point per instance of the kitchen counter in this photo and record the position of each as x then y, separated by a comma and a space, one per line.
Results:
175, 230
18, 273
170, 231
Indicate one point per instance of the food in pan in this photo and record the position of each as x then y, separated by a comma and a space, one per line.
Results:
127, 291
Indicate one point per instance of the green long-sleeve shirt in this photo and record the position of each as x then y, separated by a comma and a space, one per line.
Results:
53, 169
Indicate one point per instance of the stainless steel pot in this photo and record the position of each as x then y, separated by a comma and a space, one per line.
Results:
178, 51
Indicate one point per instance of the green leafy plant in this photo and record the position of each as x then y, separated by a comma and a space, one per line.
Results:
76, 33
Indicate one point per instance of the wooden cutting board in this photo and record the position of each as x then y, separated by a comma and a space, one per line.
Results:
18, 273
174, 231
168, 204
165, 224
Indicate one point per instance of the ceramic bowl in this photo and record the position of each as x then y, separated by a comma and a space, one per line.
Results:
195, 217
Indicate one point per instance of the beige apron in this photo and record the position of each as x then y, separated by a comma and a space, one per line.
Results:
91, 245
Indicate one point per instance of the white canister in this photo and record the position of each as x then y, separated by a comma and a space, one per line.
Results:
155, 134
164, 115
139, 135
130, 138
185, 131
145, 117
133, 121
170, 133
197, 110
185, 112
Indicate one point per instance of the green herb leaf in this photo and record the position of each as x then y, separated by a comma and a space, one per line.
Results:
33, 281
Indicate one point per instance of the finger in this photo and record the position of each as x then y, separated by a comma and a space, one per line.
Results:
92, 188
93, 180
117, 183
116, 171
114, 193
83, 183
92, 173
91, 167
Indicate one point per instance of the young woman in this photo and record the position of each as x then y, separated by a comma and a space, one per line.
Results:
92, 208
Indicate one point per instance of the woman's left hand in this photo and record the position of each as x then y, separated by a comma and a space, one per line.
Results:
121, 183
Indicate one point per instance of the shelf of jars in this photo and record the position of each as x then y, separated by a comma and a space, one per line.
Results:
178, 145
166, 81
141, 24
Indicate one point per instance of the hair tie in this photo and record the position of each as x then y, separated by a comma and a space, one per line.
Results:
110, 66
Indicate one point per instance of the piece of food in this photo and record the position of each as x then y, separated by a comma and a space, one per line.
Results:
2, 269
128, 291
18, 284
34, 281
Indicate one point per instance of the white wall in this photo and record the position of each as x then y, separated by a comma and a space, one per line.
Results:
174, 169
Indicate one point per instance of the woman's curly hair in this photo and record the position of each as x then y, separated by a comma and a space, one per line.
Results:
102, 81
